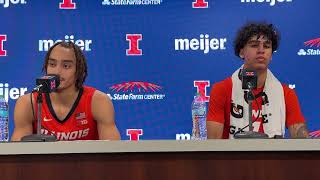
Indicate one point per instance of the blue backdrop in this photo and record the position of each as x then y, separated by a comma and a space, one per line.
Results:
152, 84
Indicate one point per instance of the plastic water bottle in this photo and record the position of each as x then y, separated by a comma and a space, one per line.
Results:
198, 109
4, 120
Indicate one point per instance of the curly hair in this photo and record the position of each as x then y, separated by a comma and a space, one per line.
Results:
256, 29
81, 63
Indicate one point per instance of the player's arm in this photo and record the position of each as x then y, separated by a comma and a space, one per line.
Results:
103, 113
23, 118
214, 129
294, 117
298, 130
216, 111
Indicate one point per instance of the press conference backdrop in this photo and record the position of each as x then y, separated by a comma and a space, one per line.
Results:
153, 56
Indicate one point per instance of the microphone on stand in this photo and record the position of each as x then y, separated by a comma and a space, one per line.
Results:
249, 82
45, 84
249, 79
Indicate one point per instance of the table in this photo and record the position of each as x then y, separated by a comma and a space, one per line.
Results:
266, 159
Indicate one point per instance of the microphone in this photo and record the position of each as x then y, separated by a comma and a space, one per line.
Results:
249, 82
249, 79
47, 84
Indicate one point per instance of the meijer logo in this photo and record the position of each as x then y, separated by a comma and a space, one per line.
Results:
204, 43
84, 45
12, 93
6, 3
67, 4
200, 4
2, 39
183, 136
134, 44
271, 2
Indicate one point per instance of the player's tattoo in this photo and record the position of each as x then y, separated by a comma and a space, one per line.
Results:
299, 130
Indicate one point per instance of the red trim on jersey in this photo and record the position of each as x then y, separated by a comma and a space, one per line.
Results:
79, 126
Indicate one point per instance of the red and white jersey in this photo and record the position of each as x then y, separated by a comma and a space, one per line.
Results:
77, 125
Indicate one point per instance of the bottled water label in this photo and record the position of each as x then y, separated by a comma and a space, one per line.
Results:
4, 120
3, 114
198, 109
3, 131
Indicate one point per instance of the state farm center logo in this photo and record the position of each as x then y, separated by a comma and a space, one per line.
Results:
315, 134
131, 2
312, 48
136, 91
7, 3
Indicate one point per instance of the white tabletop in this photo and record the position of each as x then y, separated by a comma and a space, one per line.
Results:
65, 147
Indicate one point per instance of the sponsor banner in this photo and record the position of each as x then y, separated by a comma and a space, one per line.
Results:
270, 2
315, 134
10, 3
84, 44
312, 48
131, 2
131, 91
204, 43
183, 136
11, 92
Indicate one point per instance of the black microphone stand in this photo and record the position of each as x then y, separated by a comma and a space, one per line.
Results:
250, 134
39, 137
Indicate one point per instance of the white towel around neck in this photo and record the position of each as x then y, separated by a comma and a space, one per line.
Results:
275, 109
